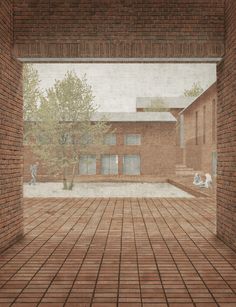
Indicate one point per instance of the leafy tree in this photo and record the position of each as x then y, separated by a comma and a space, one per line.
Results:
64, 128
194, 91
31, 91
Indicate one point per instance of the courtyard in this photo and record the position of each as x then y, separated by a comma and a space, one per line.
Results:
105, 189
118, 252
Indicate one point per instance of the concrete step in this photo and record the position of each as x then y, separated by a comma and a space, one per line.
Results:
185, 173
183, 170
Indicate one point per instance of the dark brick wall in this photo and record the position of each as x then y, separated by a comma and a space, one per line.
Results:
226, 190
10, 133
119, 28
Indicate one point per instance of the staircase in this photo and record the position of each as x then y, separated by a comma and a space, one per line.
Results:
183, 170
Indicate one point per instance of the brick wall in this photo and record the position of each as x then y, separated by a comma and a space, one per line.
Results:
119, 28
199, 156
157, 150
10, 133
226, 180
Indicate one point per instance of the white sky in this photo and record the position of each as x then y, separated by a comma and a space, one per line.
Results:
116, 86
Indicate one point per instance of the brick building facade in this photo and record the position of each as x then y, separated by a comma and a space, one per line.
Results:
108, 30
197, 128
140, 144
181, 144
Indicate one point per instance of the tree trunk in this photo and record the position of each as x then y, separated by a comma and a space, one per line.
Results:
65, 187
72, 178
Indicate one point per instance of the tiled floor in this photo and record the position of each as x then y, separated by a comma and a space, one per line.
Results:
118, 252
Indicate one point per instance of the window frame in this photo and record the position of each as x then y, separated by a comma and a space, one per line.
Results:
110, 168
88, 155
126, 136
123, 166
106, 137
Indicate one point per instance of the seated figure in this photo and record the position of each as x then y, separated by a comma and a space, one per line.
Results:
197, 179
207, 183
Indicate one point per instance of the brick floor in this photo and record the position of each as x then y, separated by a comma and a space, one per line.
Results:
118, 252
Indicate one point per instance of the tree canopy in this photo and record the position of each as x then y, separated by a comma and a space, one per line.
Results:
64, 129
31, 91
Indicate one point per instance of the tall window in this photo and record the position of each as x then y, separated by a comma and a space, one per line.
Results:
110, 139
87, 165
181, 131
204, 124
214, 114
132, 139
109, 164
131, 165
196, 127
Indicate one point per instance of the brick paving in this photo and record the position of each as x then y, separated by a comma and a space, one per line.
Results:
118, 252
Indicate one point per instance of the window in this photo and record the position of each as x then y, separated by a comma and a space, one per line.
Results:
65, 139
86, 139
110, 139
109, 164
87, 165
196, 128
204, 124
131, 165
181, 131
214, 116
132, 139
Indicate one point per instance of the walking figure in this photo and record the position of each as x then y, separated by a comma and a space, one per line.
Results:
33, 171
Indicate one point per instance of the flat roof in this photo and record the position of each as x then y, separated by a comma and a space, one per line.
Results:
134, 117
180, 102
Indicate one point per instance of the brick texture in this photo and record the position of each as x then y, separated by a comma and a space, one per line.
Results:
199, 156
10, 133
174, 28
118, 252
226, 191
119, 28
157, 150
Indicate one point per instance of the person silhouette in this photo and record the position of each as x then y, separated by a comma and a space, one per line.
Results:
33, 171
197, 179
208, 182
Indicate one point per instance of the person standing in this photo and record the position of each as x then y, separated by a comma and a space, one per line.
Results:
33, 171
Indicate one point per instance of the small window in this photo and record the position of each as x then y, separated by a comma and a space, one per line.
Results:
214, 117
87, 165
196, 128
132, 139
86, 139
109, 164
65, 139
110, 139
204, 124
181, 131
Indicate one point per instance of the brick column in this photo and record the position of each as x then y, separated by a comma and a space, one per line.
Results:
226, 132
120, 164
11, 133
